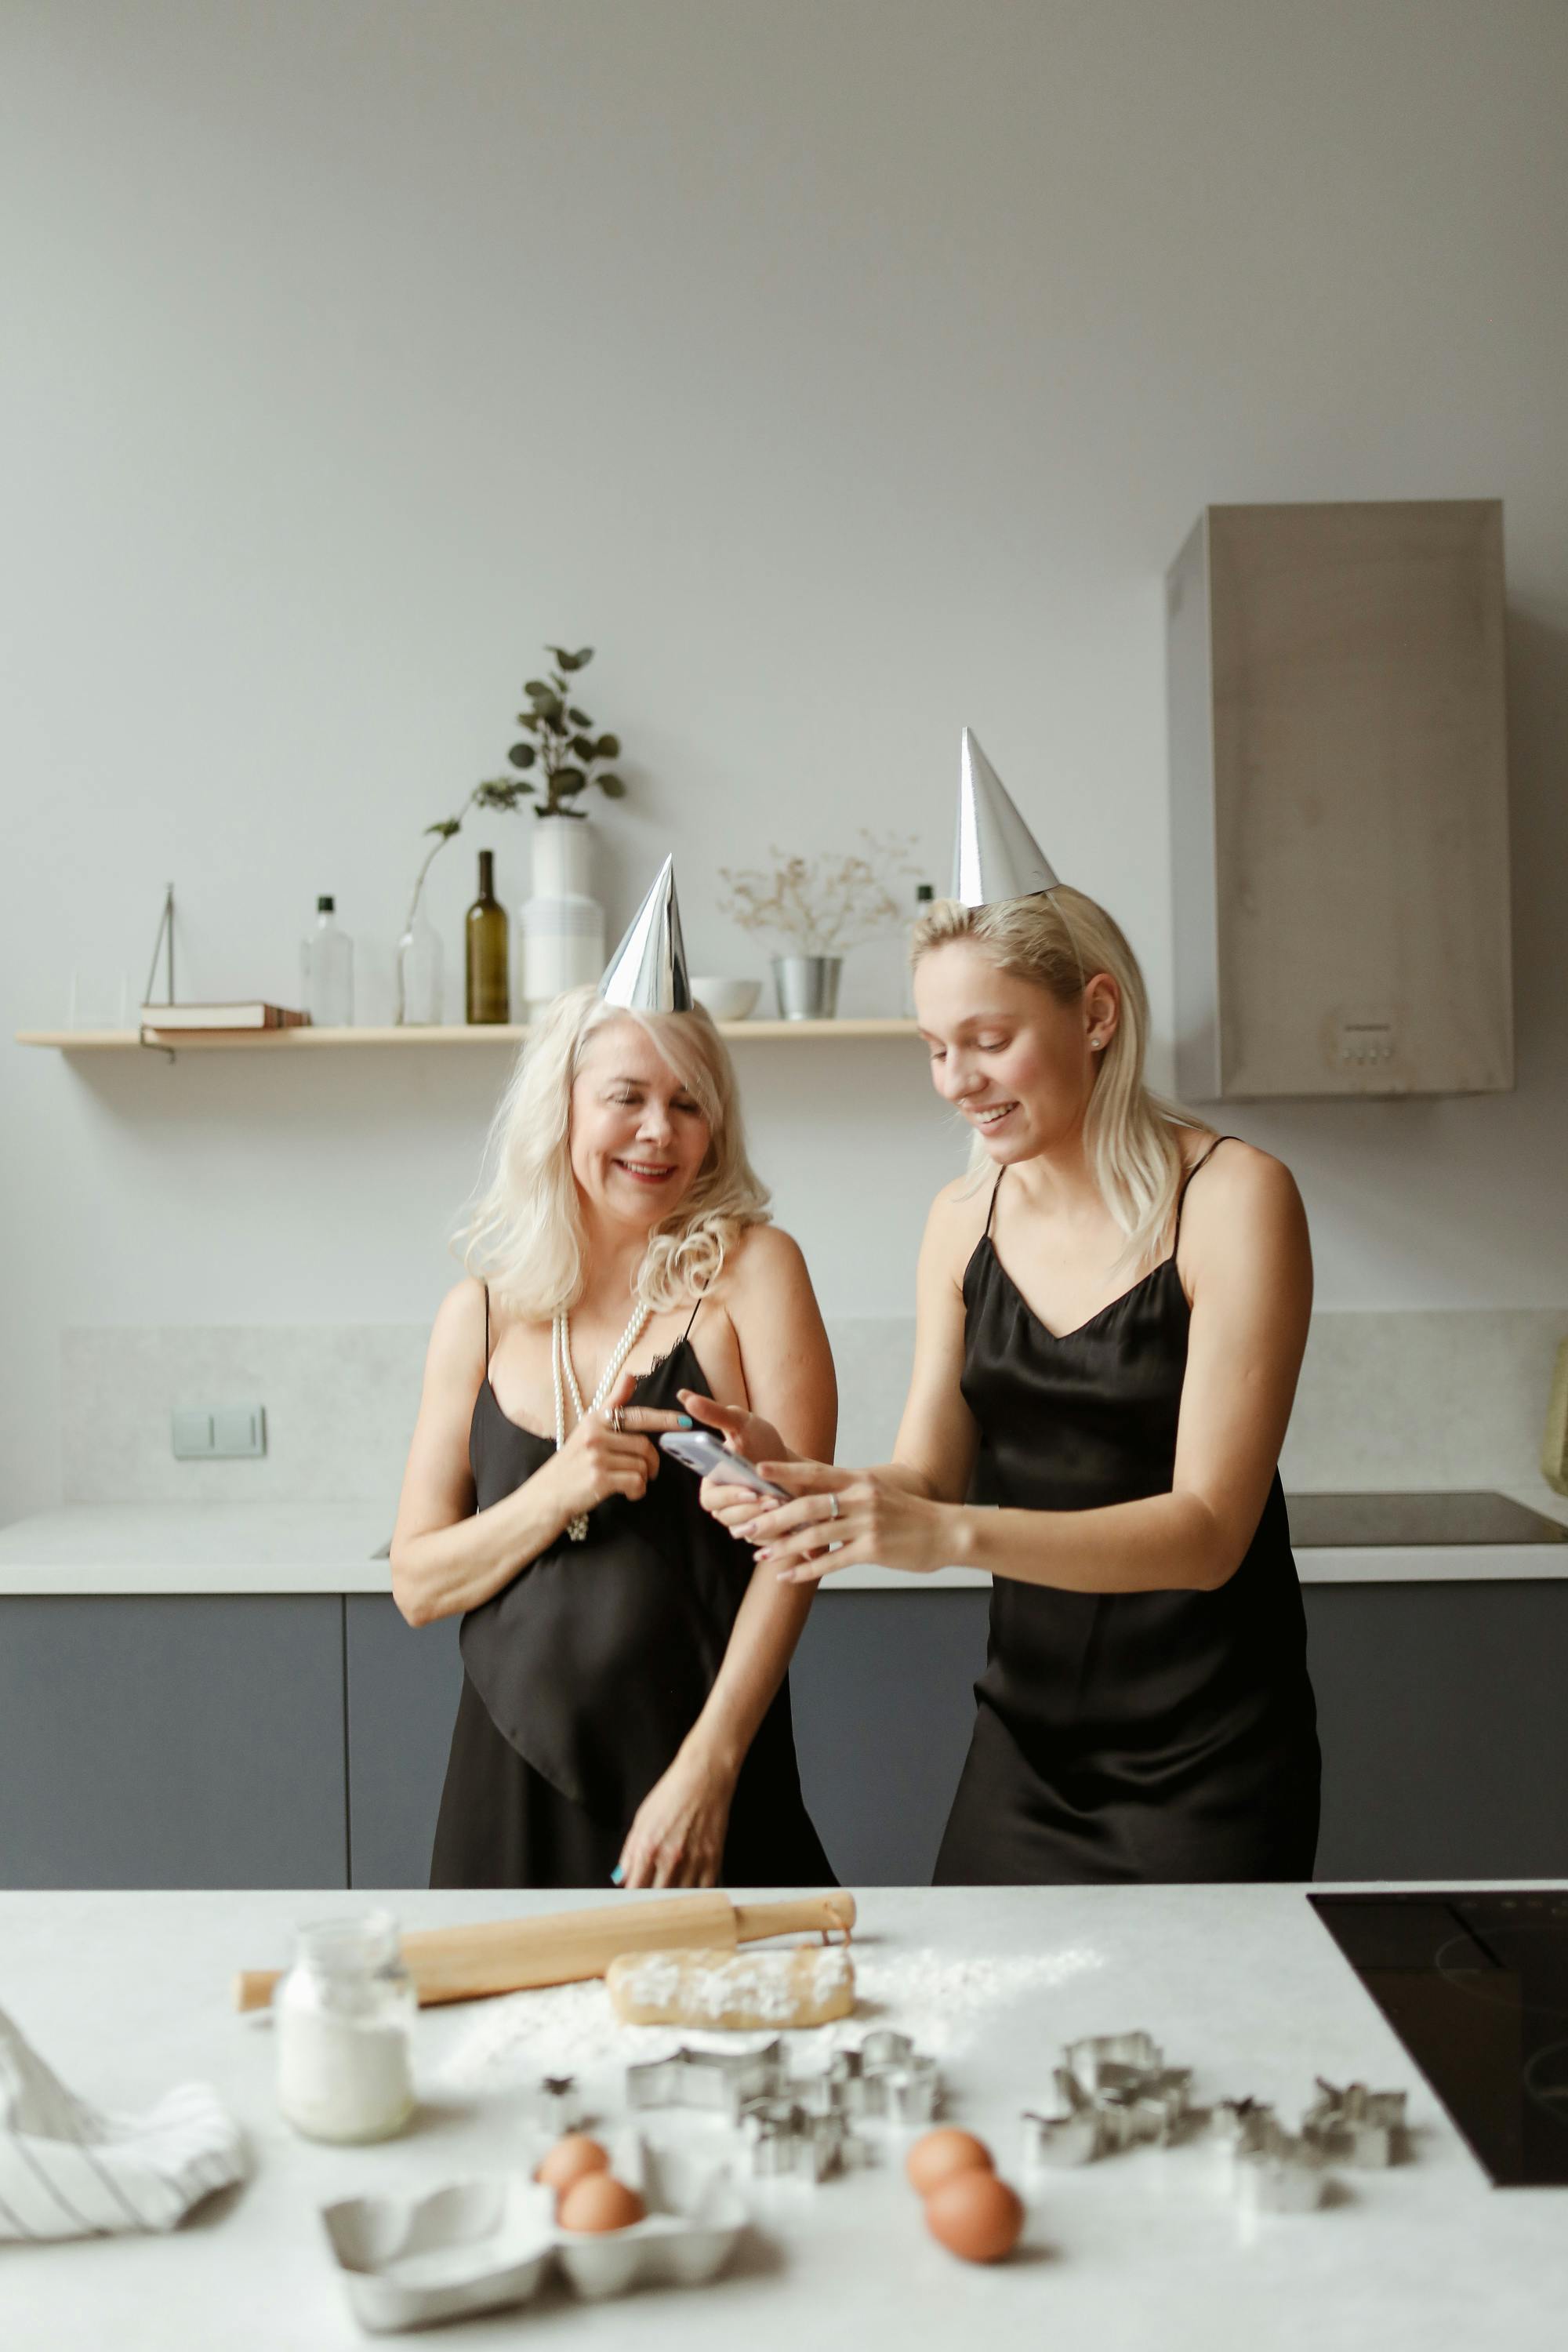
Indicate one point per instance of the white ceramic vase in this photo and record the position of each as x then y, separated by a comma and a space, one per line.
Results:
562, 924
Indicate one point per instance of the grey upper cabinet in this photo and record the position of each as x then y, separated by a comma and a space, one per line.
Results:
1338, 801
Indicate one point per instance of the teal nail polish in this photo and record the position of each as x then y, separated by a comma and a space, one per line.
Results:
617, 1877
684, 1421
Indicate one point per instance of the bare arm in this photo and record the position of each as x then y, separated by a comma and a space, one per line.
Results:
445, 1555
1249, 1264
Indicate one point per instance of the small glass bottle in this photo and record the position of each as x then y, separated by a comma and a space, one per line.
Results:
419, 974
924, 893
327, 972
488, 993
343, 2015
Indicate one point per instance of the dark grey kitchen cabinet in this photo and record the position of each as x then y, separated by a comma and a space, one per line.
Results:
882, 1710
884, 1704
164, 1740
1444, 1729
401, 1686
301, 1740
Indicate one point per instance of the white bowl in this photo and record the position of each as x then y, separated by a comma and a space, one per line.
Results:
726, 1000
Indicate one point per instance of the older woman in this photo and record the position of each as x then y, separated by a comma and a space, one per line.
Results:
625, 1709
1112, 1313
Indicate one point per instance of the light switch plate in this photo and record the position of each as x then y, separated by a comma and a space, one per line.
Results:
192, 1435
236, 1432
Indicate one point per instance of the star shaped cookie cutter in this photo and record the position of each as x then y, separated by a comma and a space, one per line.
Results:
1358, 2126
718, 2082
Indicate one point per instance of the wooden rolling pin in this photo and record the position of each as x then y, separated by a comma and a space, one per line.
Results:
562, 1946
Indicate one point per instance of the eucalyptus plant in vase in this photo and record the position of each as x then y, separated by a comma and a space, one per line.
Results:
553, 764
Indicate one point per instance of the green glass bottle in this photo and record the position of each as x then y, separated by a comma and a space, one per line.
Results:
488, 996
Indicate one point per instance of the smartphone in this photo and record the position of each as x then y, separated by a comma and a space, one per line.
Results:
711, 1458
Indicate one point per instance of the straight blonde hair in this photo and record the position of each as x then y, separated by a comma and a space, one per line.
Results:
523, 1233
1058, 939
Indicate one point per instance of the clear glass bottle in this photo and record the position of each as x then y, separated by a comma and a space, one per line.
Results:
488, 990
327, 972
924, 893
343, 2015
419, 974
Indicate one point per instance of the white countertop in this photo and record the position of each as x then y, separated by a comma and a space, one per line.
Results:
127, 1994
216, 1547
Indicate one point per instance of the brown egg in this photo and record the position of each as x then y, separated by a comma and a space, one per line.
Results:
936, 2156
599, 2201
569, 2159
974, 2216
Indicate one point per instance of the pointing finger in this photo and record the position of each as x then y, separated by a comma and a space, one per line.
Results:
707, 1409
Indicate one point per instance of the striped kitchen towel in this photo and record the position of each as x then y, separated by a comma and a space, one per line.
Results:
67, 2170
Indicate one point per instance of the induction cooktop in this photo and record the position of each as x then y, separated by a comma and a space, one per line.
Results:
1476, 1986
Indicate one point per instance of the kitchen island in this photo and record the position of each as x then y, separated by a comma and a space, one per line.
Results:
127, 1994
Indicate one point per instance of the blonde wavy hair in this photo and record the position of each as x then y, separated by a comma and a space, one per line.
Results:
1060, 939
523, 1232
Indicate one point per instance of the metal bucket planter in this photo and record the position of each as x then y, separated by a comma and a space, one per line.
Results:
808, 986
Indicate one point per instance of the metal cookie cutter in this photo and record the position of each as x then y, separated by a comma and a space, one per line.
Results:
1276, 2171
722, 2082
887, 2078
1116, 2091
785, 2137
1243, 2124
1356, 2126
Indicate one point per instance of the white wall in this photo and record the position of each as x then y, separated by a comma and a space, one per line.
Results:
843, 370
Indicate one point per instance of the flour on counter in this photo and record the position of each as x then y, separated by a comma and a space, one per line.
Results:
944, 2004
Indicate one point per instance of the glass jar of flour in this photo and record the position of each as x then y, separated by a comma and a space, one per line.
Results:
343, 2015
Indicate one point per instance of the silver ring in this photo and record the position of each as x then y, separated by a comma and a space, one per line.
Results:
833, 1507
616, 1424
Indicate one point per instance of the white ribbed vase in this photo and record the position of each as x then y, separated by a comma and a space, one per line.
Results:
562, 924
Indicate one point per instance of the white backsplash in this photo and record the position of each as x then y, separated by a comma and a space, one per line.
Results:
1434, 1398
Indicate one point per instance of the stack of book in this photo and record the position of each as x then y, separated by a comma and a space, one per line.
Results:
251, 1015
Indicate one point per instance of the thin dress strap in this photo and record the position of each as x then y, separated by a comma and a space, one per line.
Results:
995, 1188
692, 1318
487, 1330
1201, 1161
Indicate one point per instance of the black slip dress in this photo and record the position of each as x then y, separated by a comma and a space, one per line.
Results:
1132, 1735
582, 1675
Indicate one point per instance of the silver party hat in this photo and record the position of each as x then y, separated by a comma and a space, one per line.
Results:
996, 855
648, 972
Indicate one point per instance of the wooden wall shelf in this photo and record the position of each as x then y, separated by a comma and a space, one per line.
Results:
315, 1040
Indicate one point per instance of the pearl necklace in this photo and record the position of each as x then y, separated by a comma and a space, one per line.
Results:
566, 1380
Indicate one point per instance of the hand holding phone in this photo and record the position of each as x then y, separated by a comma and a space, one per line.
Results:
701, 1451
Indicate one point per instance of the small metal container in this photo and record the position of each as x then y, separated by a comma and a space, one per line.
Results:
807, 986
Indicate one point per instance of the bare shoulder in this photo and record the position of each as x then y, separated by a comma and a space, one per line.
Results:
958, 1216
763, 1258
457, 1333
1237, 1172
1242, 1193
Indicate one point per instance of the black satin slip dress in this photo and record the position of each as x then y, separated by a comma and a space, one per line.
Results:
1123, 1737
582, 1675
